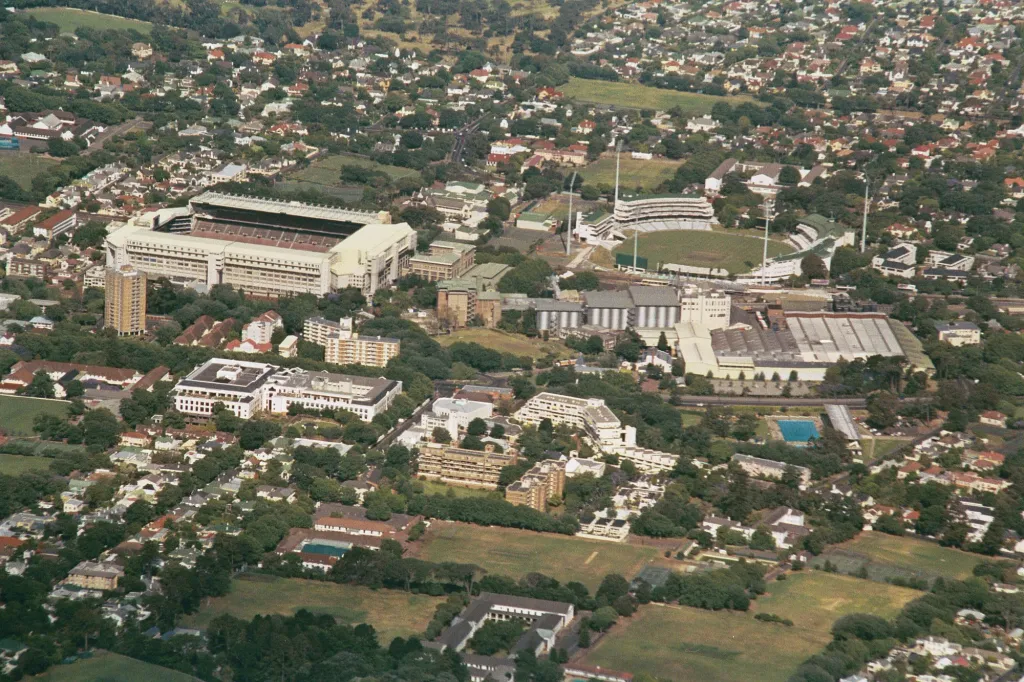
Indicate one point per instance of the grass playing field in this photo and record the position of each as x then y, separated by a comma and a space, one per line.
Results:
17, 413
505, 551
888, 556
692, 645
68, 19
14, 465
108, 667
23, 166
327, 170
636, 96
633, 173
735, 250
392, 613
506, 343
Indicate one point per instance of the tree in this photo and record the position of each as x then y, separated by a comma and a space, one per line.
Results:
883, 409
813, 267
41, 386
477, 427
100, 429
441, 435
789, 175
500, 208
663, 343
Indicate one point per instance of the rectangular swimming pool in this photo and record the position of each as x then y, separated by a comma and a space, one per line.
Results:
321, 548
797, 430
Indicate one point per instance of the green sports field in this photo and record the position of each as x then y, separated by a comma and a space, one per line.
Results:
889, 556
68, 19
692, 645
17, 413
514, 553
391, 612
633, 173
636, 96
108, 667
503, 342
737, 251
14, 465
23, 166
326, 170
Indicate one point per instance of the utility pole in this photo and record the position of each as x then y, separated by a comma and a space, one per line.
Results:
568, 232
864, 224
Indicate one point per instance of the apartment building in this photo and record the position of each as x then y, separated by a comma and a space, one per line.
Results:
125, 302
454, 414
588, 414
459, 466
959, 333
544, 481
460, 301
56, 225
94, 575
768, 468
26, 267
343, 346
261, 329
443, 260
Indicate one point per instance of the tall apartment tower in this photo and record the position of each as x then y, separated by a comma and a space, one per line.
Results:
125, 301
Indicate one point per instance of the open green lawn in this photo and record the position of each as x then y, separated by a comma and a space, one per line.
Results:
636, 96
17, 413
878, 448
326, 170
889, 556
68, 19
735, 250
505, 551
22, 166
109, 667
692, 645
393, 613
506, 343
13, 465
632, 172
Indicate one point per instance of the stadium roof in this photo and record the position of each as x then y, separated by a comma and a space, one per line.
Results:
842, 421
291, 208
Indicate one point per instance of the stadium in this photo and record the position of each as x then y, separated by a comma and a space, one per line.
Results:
265, 247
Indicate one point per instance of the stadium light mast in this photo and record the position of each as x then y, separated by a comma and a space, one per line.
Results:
864, 224
764, 257
568, 232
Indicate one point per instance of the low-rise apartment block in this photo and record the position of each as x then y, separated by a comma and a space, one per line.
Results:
959, 333
443, 260
459, 466
768, 468
544, 481
343, 346
94, 575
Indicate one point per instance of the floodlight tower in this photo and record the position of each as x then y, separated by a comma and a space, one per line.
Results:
568, 232
768, 205
864, 223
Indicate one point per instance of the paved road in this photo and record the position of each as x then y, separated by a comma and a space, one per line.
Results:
113, 131
758, 400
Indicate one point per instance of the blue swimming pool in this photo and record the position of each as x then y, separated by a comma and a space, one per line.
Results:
797, 431
320, 548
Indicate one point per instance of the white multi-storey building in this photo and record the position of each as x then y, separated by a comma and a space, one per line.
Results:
684, 207
454, 414
247, 388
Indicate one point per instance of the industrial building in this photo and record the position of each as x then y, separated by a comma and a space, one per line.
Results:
265, 247
638, 307
800, 343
